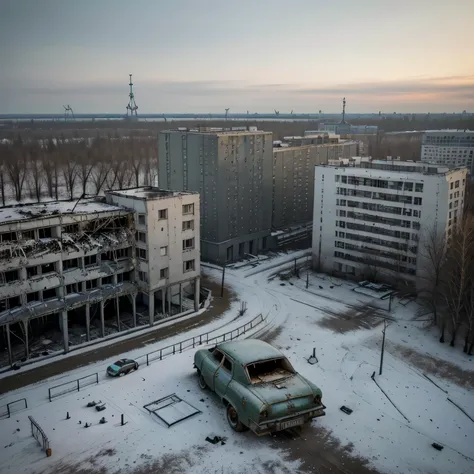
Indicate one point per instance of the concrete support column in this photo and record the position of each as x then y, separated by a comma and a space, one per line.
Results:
9, 345
25, 327
197, 289
117, 309
168, 296
88, 322
64, 328
163, 301
151, 307
134, 310
102, 319
180, 297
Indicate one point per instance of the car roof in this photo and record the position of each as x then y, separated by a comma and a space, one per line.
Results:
250, 350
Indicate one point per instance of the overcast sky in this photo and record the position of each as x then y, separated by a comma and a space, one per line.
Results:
256, 55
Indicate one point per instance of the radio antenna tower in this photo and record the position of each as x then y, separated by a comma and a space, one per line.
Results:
132, 107
68, 113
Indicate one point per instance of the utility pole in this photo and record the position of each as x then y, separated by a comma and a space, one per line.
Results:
383, 345
222, 284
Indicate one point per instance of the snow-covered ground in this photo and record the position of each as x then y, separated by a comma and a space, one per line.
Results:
345, 329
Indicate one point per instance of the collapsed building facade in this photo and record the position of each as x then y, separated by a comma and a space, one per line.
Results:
68, 276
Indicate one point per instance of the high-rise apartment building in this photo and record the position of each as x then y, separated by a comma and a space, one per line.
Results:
232, 171
374, 220
453, 148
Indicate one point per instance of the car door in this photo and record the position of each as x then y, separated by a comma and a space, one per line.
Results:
223, 376
210, 365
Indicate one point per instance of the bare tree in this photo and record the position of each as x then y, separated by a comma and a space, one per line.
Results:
17, 165
457, 273
99, 175
85, 169
70, 172
4, 150
469, 315
36, 171
434, 251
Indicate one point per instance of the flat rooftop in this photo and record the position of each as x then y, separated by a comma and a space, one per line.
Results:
21, 212
149, 193
216, 131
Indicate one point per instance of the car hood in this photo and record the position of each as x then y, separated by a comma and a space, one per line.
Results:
113, 368
290, 388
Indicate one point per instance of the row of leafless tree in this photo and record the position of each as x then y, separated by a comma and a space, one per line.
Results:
449, 291
59, 168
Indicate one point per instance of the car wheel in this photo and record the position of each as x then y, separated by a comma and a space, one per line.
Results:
136, 366
233, 419
121, 374
202, 382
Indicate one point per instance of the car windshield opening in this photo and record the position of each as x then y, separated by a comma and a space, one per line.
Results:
269, 370
119, 363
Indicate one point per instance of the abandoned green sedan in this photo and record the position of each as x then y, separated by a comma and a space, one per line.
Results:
258, 385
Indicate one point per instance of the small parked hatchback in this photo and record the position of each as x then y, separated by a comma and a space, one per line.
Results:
122, 367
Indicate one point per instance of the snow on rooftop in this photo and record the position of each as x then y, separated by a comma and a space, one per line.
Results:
48, 209
148, 193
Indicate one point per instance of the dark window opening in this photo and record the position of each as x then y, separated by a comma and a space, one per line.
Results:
107, 280
217, 355
241, 249
12, 275
8, 237
90, 284
49, 294
10, 303
31, 272
71, 263
47, 268
28, 234
45, 232
71, 229
34, 296
90, 260
72, 288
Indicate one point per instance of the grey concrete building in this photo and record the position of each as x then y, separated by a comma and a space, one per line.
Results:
232, 171
293, 180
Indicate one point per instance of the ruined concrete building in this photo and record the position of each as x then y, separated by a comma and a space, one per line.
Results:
74, 272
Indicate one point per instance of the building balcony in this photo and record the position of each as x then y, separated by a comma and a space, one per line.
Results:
75, 300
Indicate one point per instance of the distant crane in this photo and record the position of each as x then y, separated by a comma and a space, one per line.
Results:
164, 118
277, 112
68, 113
227, 113
291, 113
132, 107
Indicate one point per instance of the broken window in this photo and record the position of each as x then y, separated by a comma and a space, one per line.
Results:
8, 237
141, 253
10, 303
71, 228
163, 273
45, 232
72, 288
47, 268
122, 253
141, 219
33, 296
90, 284
28, 234
188, 225
127, 276
107, 280
217, 355
188, 266
31, 272
269, 370
90, 260
188, 244
49, 294
163, 214
12, 275
164, 251
142, 276
70, 264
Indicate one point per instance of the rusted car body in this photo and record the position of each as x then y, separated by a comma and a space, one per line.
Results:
259, 387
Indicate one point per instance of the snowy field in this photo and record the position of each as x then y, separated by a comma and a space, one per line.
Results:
345, 328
